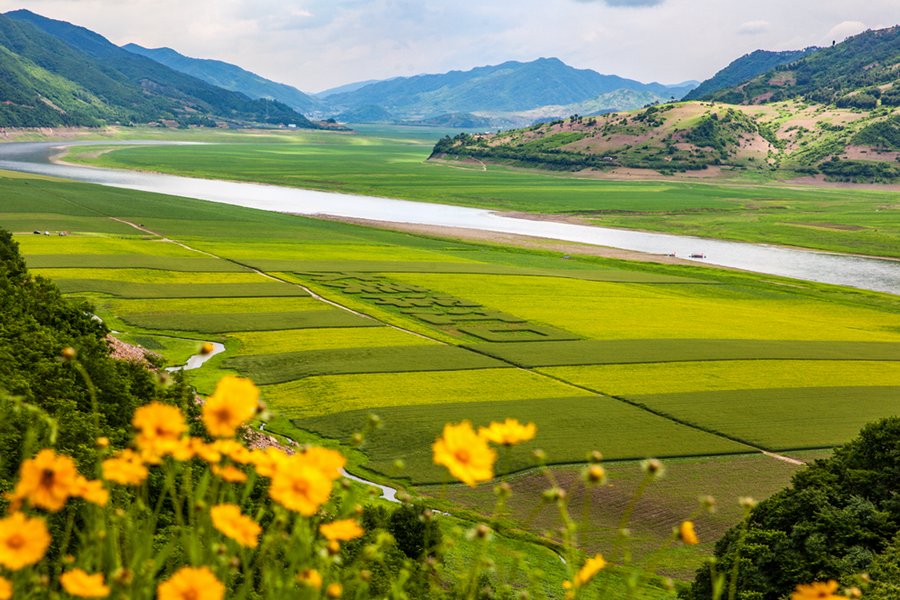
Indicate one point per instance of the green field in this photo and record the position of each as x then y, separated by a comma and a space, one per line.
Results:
568, 428
781, 418
327, 394
381, 162
270, 342
228, 322
602, 352
290, 366
214, 305
684, 377
129, 289
132, 261
155, 276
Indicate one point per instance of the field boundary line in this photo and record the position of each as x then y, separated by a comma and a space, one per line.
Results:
164, 238
786, 459
657, 413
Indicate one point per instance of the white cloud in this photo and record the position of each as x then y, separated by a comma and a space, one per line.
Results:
631, 3
754, 27
841, 31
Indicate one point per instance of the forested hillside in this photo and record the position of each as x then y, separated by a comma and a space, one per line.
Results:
744, 68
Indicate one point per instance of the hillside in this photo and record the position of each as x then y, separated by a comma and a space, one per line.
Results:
744, 68
780, 140
169, 92
47, 83
857, 73
229, 77
508, 87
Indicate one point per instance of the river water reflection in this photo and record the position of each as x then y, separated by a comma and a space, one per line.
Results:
866, 273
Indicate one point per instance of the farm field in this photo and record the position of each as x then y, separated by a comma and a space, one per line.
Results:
391, 162
692, 365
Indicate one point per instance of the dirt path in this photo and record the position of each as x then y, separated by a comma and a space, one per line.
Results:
786, 459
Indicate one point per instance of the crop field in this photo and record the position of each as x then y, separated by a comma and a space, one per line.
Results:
270, 342
603, 352
568, 428
228, 322
128, 289
132, 261
780, 418
53, 223
107, 245
315, 396
687, 377
601, 310
152, 276
267, 369
665, 504
215, 305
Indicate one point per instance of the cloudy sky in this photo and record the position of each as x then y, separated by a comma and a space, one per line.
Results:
318, 44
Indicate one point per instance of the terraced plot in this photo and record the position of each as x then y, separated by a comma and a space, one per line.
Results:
781, 418
270, 342
143, 276
125, 289
601, 310
598, 352
215, 305
49, 245
132, 261
50, 222
568, 428
228, 322
677, 377
289, 366
469, 268
329, 252
328, 394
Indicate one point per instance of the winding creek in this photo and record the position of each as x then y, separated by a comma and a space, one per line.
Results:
866, 273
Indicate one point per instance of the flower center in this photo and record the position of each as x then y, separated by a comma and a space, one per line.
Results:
47, 478
15, 541
462, 455
190, 594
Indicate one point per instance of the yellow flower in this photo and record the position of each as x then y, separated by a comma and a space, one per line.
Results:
509, 433
125, 467
228, 519
46, 481
207, 452
6, 589
229, 473
334, 590
464, 453
329, 462
345, 530
189, 583
686, 533
79, 583
92, 491
299, 487
310, 577
817, 591
267, 461
587, 572
233, 450
23, 541
233, 403
160, 425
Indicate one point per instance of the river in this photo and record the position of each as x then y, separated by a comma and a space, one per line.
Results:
866, 273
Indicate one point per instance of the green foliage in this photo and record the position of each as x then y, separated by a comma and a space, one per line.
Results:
858, 171
744, 68
881, 134
838, 515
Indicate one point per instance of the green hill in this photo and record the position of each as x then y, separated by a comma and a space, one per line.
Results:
229, 77
744, 68
124, 79
857, 73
